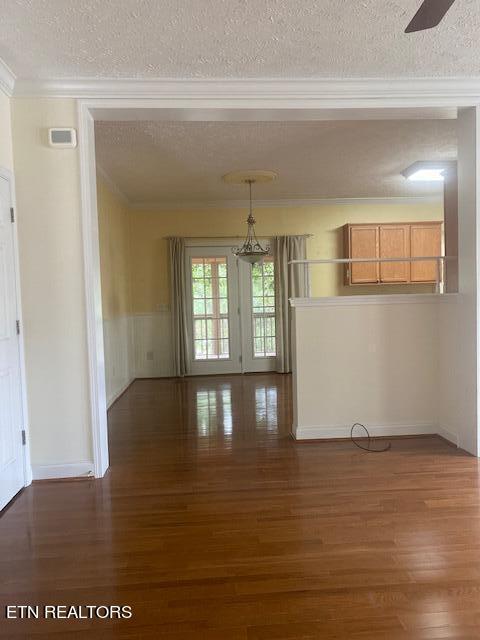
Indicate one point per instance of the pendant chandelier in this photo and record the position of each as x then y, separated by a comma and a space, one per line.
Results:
251, 250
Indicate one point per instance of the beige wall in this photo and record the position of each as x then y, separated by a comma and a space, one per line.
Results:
6, 151
51, 270
114, 238
149, 248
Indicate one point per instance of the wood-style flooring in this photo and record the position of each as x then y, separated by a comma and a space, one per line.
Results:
212, 524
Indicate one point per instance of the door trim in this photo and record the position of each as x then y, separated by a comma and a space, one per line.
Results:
93, 291
7, 175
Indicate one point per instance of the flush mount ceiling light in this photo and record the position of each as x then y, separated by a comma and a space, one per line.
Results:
251, 250
428, 171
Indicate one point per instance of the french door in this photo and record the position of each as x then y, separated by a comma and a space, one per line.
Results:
231, 309
257, 315
213, 305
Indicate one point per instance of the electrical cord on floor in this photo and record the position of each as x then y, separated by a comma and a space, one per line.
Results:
368, 447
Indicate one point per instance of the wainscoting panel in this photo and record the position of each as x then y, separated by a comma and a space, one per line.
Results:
137, 346
118, 338
153, 345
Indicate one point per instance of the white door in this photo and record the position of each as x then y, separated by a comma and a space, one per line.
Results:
11, 454
257, 314
231, 307
214, 327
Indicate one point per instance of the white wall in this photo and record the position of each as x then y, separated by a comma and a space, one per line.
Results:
458, 398
118, 340
372, 360
51, 268
136, 346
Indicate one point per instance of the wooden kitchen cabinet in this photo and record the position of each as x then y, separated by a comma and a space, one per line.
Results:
392, 240
425, 240
364, 244
394, 243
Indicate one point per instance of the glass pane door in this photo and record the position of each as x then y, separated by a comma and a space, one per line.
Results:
212, 281
257, 287
263, 309
210, 308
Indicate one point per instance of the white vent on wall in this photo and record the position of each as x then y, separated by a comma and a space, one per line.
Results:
62, 138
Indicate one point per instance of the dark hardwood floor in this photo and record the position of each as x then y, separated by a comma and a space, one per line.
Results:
213, 524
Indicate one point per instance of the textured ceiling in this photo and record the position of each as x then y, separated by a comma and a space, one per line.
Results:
184, 161
234, 38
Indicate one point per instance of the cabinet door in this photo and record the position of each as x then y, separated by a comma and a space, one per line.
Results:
364, 244
394, 243
425, 240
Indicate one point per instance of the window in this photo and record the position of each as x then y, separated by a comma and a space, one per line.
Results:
263, 309
210, 308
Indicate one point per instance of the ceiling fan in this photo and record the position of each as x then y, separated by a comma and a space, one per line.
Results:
430, 14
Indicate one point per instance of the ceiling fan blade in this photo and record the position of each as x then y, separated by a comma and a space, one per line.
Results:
429, 15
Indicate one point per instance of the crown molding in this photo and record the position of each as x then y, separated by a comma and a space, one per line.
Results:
112, 185
7, 79
292, 202
244, 204
343, 91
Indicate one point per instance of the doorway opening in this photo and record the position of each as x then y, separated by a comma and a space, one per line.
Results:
231, 318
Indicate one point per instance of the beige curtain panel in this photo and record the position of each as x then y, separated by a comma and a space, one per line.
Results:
178, 300
290, 282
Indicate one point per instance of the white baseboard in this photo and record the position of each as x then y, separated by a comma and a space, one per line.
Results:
118, 393
343, 431
69, 470
448, 435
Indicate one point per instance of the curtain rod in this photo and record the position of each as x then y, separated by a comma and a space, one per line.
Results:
298, 235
